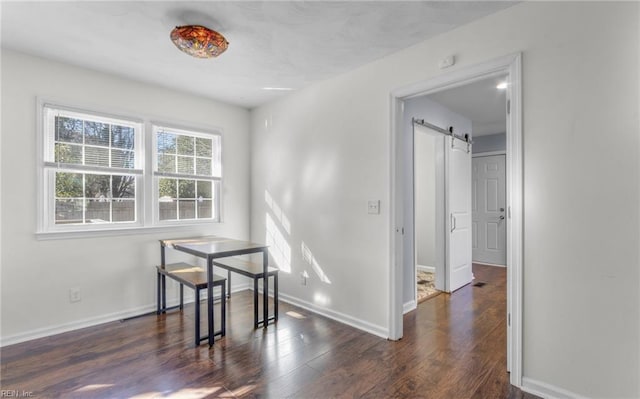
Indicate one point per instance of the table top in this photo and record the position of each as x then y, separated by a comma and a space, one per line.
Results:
214, 246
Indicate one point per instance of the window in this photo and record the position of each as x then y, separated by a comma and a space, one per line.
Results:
97, 173
92, 169
187, 174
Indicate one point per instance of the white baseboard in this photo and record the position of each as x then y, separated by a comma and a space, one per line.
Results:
409, 306
94, 321
110, 317
341, 317
75, 325
547, 391
430, 269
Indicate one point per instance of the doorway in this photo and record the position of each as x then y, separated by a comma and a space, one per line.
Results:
472, 119
401, 203
489, 207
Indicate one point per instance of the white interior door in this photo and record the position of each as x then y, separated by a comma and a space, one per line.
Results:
458, 209
489, 224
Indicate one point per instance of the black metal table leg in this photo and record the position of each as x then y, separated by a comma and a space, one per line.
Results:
223, 310
275, 296
162, 255
158, 291
197, 310
164, 293
255, 303
162, 283
210, 300
265, 294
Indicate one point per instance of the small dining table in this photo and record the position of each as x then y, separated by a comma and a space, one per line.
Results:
214, 247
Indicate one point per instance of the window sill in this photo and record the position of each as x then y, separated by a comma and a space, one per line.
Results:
114, 232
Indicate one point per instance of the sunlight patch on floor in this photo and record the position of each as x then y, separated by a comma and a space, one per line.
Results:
243, 390
93, 387
295, 315
185, 393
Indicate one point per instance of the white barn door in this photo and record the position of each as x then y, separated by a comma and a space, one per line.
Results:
458, 210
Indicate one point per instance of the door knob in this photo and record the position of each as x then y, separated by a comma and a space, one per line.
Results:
501, 217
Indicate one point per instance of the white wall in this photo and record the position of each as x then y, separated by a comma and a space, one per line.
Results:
115, 274
322, 152
432, 112
319, 155
491, 142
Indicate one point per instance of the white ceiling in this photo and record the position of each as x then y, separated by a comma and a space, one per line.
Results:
481, 102
287, 44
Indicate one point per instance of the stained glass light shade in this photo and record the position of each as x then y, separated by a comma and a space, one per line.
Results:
199, 41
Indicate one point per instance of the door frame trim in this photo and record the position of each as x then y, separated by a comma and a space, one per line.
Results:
511, 65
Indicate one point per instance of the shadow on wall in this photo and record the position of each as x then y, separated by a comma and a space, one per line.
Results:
307, 255
279, 247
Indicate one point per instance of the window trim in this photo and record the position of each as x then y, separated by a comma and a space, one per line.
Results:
146, 222
191, 131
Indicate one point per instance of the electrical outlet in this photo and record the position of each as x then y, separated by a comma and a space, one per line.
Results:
74, 295
446, 62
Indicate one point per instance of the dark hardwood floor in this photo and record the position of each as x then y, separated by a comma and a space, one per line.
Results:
454, 346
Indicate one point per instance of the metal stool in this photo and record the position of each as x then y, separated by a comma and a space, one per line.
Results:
195, 278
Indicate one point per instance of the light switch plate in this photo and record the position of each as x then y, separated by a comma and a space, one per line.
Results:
374, 207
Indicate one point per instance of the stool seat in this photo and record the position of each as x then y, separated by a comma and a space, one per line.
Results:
195, 278
255, 271
191, 276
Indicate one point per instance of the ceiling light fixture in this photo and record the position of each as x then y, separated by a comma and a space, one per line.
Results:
502, 86
199, 41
